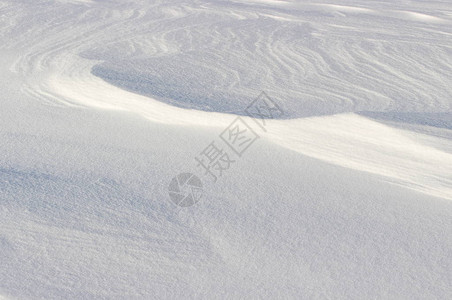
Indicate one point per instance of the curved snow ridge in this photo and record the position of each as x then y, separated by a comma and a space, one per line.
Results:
348, 140
317, 65
359, 143
81, 88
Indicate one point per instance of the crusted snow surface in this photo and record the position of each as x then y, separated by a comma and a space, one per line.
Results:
347, 195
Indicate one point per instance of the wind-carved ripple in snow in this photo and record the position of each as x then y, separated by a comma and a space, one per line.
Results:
316, 59
216, 56
313, 61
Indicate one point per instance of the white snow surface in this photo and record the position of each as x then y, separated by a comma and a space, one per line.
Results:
347, 196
